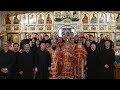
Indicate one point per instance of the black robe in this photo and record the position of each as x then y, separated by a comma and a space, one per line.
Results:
102, 41
101, 47
7, 60
93, 65
15, 70
87, 49
108, 57
34, 48
42, 62
26, 64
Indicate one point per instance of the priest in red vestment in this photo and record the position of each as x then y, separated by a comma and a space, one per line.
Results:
66, 57
80, 61
53, 73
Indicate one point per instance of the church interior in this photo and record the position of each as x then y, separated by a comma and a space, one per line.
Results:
16, 25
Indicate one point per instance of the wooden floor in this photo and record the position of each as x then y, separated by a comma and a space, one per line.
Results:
117, 71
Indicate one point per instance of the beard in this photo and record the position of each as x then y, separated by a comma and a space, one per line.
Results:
79, 46
15, 50
27, 51
54, 47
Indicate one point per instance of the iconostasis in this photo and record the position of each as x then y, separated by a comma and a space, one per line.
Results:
97, 22
27, 21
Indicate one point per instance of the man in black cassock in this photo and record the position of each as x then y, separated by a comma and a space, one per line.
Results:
101, 46
15, 70
35, 47
46, 39
42, 62
107, 61
24, 41
26, 63
7, 60
93, 62
102, 40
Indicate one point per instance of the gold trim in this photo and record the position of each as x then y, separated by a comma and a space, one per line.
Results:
3, 34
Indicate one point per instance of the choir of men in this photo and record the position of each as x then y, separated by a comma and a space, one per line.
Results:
66, 57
